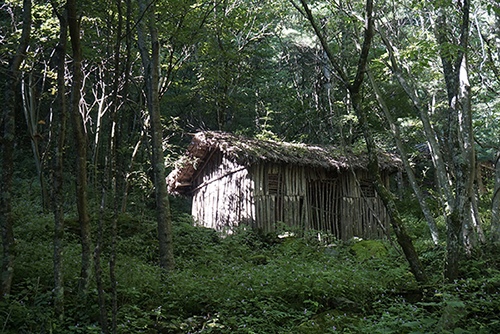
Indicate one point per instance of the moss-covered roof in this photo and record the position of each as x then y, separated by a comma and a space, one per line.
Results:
249, 151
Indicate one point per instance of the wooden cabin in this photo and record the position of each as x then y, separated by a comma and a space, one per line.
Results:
238, 180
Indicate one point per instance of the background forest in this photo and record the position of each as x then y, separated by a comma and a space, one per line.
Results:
100, 98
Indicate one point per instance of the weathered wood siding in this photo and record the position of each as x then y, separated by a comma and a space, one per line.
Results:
343, 205
264, 195
361, 209
279, 195
222, 196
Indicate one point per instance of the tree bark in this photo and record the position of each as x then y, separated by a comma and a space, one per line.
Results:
12, 80
59, 125
455, 203
101, 300
151, 69
81, 147
430, 134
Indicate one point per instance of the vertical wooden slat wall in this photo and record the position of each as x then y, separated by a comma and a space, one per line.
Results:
300, 197
223, 195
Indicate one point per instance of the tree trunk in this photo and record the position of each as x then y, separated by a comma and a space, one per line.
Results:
101, 300
456, 203
60, 119
495, 203
114, 142
495, 200
354, 91
81, 147
124, 181
430, 134
29, 107
404, 157
11, 82
151, 69
459, 231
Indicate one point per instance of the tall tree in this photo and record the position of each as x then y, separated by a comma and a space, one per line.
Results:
115, 140
150, 55
354, 89
81, 145
9, 120
495, 201
396, 132
59, 124
451, 143
461, 138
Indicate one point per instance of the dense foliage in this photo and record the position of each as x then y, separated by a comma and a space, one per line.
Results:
249, 282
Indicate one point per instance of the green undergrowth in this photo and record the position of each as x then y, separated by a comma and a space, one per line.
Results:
248, 282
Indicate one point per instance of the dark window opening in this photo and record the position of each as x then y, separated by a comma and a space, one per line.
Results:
367, 189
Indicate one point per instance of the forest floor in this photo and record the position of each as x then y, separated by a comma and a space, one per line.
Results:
249, 282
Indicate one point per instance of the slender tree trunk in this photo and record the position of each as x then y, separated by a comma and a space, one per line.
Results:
404, 157
129, 173
434, 147
354, 89
114, 142
151, 68
477, 222
402, 236
81, 147
124, 180
459, 230
103, 314
60, 119
29, 107
495, 200
11, 82
452, 201
495, 203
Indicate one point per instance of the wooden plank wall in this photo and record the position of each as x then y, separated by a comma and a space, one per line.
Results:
223, 195
360, 214
279, 196
227, 194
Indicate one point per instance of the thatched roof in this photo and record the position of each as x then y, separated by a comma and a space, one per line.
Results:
248, 151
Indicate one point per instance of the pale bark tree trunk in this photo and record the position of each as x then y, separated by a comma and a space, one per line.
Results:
11, 82
404, 158
354, 88
430, 134
495, 200
109, 185
81, 147
59, 126
459, 223
151, 69
457, 204
477, 224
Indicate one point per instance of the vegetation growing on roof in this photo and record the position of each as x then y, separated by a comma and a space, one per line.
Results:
248, 151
